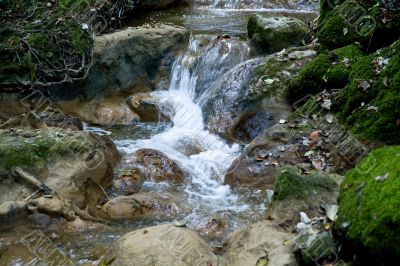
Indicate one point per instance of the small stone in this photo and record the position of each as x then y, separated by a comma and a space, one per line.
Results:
179, 223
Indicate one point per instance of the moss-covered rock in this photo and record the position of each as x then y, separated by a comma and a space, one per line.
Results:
295, 193
372, 111
374, 24
272, 34
330, 70
369, 204
73, 163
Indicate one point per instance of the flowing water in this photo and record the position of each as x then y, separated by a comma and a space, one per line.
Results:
196, 68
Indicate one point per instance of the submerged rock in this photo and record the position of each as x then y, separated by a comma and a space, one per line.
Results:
144, 205
157, 167
129, 182
272, 34
162, 245
260, 242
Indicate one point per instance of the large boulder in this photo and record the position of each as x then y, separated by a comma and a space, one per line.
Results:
261, 243
131, 60
157, 167
162, 245
369, 203
104, 111
76, 164
144, 205
272, 34
251, 97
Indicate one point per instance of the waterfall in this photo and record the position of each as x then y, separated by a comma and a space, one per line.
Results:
204, 187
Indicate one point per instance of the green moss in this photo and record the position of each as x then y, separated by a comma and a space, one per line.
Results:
34, 147
384, 94
290, 185
330, 70
370, 208
345, 22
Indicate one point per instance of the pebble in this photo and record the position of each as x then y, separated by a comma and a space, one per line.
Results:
179, 223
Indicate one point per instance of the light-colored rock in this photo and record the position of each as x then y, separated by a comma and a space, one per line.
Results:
262, 240
144, 205
272, 34
108, 111
76, 164
163, 245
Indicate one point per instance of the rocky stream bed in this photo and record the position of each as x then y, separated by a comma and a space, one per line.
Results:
211, 133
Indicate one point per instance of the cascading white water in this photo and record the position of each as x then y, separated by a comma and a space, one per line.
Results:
204, 188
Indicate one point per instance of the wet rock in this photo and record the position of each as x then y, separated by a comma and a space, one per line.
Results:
259, 165
129, 183
78, 226
221, 106
146, 105
259, 241
295, 193
215, 229
12, 210
163, 245
210, 57
76, 164
157, 167
39, 220
142, 206
251, 97
129, 60
51, 118
272, 34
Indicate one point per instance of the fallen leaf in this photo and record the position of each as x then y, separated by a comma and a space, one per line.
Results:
385, 81
364, 84
329, 118
309, 153
314, 135
326, 104
374, 108
318, 164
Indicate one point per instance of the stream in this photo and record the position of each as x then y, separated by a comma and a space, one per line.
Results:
205, 157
